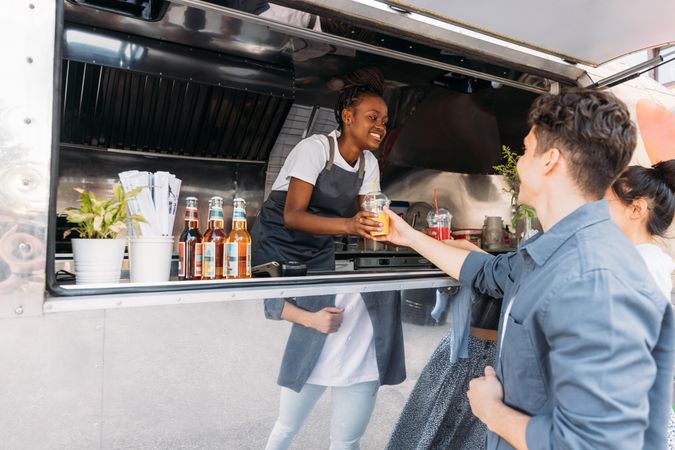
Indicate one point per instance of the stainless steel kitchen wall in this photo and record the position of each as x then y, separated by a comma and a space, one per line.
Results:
469, 198
97, 170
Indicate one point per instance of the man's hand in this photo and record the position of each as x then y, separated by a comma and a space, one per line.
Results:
327, 320
485, 396
400, 233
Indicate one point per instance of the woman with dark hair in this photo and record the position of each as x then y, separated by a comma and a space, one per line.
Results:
352, 343
642, 204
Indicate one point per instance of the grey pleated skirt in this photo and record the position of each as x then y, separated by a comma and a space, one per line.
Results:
437, 414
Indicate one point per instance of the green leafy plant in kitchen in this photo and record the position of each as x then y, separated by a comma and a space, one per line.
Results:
102, 219
509, 170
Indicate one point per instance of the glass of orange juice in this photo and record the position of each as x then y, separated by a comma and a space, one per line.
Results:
375, 203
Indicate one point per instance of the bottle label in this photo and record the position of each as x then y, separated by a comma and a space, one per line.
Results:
248, 259
239, 214
209, 261
232, 256
191, 214
198, 261
181, 259
216, 214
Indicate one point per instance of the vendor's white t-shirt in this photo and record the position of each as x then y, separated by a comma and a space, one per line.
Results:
348, 355
308, 158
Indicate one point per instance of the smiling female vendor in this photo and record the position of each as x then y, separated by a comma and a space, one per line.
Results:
351, 343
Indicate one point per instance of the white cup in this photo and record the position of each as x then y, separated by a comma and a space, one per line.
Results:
150, 259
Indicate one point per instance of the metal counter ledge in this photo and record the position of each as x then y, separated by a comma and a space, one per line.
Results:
130, 295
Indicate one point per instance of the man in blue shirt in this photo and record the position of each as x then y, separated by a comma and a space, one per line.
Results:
586, 339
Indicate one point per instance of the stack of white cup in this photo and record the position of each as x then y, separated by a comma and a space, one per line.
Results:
150, 259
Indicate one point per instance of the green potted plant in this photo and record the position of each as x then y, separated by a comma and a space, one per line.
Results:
98, 252
522, 213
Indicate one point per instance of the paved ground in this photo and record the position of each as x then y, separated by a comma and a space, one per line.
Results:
188, 376
420, 342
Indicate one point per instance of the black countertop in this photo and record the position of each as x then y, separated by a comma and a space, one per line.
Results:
350, 254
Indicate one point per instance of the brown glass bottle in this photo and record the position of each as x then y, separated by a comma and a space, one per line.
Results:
213, 242
190, 244
238, 246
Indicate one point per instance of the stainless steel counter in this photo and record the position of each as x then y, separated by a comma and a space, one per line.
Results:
128, 295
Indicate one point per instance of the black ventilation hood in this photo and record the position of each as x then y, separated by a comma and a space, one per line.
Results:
114, 108
139, 94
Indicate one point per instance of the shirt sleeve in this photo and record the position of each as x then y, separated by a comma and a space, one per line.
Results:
306, 161
273, 307
488, 274
371, 175
599, 332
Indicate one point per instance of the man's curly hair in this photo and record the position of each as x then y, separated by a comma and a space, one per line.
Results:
593, 130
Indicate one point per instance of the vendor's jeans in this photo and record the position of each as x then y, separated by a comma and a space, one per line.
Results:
351, 410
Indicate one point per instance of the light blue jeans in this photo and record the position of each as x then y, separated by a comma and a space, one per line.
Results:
351, 408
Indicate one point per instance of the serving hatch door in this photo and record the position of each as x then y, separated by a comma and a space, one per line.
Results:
591, 32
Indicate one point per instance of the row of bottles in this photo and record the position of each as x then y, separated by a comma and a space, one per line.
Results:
215, 255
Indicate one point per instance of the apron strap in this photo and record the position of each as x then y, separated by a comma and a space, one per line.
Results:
331, 157
331, 152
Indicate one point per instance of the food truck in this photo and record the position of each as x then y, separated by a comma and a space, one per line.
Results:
218, 97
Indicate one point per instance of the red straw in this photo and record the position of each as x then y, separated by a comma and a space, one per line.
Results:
436, 201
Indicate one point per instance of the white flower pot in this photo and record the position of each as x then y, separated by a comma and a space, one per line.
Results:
98, 260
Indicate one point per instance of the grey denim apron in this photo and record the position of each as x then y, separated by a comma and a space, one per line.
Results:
334, 195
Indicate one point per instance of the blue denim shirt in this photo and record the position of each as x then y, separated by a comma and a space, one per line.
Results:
589, 343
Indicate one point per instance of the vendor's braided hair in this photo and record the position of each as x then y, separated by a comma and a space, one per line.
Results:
363, 82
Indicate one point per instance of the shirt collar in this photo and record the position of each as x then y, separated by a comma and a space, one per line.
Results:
542, 246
